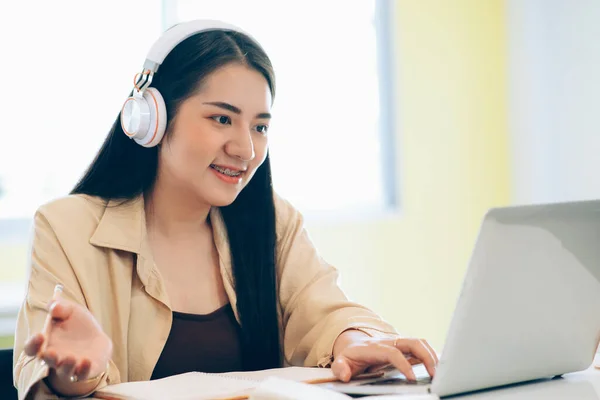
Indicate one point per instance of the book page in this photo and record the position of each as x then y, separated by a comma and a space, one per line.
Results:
298, 374
275, 388
188, 386
200, 386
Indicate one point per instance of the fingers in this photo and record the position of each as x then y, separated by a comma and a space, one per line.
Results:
413, 360
66, 368
50, 358
82, 371
61, 310
431, 351
396, 358
402, 354
377, 354
34, 344
418, 349
341, 369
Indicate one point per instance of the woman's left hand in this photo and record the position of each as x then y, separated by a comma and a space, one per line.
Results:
355, 353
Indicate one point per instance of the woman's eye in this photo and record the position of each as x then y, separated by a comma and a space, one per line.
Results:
222, 119
262, 129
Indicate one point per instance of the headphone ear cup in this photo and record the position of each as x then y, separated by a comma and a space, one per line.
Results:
135, 116
157, 119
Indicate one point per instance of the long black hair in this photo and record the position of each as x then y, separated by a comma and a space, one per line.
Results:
123, 170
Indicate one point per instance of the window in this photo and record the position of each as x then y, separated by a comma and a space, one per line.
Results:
70, 73
326, 134
69, 66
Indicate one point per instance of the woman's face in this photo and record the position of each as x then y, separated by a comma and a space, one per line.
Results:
218, 137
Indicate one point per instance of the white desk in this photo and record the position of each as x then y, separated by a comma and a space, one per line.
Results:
583, 385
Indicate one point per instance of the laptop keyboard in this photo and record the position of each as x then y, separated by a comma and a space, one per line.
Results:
400, 381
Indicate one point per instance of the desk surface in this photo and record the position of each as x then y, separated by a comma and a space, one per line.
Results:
583, 385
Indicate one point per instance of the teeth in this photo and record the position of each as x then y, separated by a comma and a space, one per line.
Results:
226, 171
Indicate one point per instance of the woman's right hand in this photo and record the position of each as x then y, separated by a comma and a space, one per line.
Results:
74, 346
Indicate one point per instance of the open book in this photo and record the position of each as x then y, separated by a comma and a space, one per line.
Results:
282, 383
205, 386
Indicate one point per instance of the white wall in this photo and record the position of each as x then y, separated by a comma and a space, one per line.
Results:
554, 97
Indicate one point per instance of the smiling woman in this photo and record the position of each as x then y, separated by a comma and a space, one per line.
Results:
175, 225
220, 130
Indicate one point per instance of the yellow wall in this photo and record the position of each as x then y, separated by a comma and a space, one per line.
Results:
453, 165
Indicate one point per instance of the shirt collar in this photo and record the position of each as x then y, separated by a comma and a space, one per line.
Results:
123, 227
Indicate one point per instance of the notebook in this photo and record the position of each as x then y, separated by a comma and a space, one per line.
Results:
205, 386
279, 383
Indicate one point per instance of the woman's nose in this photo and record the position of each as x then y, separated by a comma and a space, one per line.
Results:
241, 146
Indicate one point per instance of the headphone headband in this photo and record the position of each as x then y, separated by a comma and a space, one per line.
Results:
177, 34
144, 114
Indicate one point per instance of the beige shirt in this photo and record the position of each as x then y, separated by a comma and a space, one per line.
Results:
101, 256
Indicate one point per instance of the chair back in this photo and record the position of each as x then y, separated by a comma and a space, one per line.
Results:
7, 390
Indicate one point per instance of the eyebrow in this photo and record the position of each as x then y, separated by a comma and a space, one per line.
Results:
234, 109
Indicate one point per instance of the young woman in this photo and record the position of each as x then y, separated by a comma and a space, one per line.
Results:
174, 254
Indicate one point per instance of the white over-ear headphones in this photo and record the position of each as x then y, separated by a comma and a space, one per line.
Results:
144, 115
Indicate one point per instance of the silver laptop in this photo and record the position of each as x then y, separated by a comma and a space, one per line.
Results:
529, 306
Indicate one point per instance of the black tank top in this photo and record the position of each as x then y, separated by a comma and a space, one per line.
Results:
205, 343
